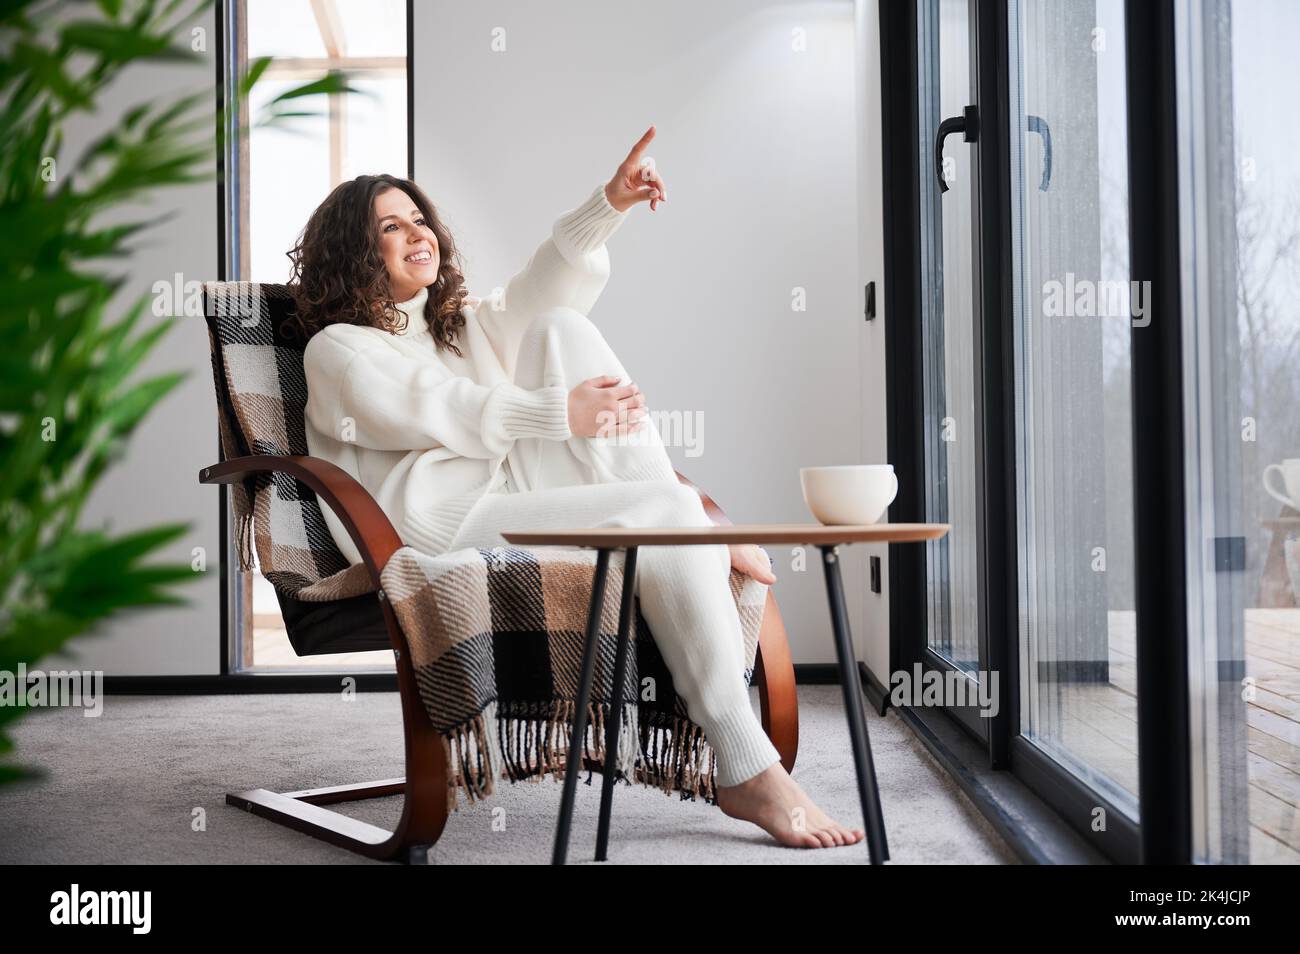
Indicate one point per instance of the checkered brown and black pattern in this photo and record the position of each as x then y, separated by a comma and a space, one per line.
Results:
496, 639
495, 634
262, 400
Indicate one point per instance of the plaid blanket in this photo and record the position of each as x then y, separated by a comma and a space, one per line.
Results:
496, 638
495, 634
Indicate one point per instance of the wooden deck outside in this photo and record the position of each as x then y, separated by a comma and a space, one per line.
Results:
272, 653
1099, 726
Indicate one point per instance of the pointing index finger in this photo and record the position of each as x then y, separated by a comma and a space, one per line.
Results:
640, 145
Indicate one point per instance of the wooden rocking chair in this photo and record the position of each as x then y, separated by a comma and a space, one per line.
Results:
330, 606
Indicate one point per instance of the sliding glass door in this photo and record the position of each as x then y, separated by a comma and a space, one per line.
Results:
1052, 136
1022, 424
1240, 204
1091, 277
951, 435
1074, 314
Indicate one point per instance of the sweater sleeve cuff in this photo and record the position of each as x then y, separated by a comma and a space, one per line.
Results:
586, 228
540, 413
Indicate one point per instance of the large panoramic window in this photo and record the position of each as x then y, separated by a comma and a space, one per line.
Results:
1093, 352
286, 171
1240, 213
1073, 323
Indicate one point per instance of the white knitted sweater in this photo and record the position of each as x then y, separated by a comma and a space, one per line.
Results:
425, 431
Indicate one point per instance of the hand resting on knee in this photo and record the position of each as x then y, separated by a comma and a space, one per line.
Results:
600, 407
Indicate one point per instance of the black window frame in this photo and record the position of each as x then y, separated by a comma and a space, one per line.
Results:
227, 66
1163, 836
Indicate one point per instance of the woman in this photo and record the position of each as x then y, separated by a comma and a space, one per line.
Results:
466, 416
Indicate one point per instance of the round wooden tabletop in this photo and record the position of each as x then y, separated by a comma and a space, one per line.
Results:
811, 533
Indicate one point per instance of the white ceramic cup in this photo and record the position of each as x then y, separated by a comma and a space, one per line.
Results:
1289, 471
848, 493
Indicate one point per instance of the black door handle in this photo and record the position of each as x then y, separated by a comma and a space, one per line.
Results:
968, 124
1037, 124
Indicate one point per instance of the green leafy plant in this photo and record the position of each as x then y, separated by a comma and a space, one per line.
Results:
69, 399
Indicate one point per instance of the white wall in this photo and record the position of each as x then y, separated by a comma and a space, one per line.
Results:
759, 146
874, 648
772, 161
157, 479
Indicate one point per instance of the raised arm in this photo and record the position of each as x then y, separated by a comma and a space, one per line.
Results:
571, 266
570, 269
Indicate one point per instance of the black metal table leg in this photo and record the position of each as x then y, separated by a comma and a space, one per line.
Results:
573, 767
868, 793
613, 724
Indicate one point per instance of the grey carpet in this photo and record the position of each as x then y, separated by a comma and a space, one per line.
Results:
125, 788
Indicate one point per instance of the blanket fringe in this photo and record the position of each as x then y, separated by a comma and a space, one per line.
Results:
531, 741
244, 540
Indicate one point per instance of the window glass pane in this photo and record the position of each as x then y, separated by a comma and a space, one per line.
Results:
282, 28
373, 27
1240, 220
376, 127
948, 333
1072, 324
290, 164
286, 170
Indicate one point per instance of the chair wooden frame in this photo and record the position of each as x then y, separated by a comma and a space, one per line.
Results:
425, 785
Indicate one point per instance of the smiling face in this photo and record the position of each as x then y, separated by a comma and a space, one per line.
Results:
407, 243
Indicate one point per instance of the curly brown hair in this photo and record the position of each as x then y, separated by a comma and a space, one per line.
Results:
339, 273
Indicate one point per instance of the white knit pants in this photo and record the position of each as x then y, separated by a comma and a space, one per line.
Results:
611, 482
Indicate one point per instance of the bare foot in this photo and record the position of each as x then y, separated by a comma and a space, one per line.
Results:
774, 802
752, 560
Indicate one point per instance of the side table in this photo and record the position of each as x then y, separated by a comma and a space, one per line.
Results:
607, 539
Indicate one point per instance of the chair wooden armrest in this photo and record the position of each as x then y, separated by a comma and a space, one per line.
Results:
369, 527
425, 805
